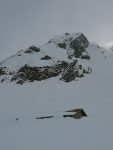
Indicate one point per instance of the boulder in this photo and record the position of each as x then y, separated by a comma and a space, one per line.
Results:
46, 57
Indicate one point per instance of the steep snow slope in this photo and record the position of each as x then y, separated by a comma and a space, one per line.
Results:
93, 93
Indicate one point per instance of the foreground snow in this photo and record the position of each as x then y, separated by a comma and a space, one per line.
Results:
91, 133
93, 93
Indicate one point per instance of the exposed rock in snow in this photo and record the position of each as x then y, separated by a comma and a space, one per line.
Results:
75, 44
36, 64
75, 113
2, 71
79, 44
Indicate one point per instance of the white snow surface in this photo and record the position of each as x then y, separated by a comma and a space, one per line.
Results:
34, 59
93, 93
64, 37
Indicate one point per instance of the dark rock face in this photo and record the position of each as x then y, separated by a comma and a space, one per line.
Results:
2, 71
68, 71
62, 45
79, 44
46, 57
27, 73
32, 49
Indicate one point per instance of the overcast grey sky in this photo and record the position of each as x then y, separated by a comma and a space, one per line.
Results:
27, 22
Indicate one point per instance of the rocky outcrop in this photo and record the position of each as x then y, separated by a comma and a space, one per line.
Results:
79, 45
2, 71
77, 42
68, 71
62, 45
43, 65
32, 49
28, 73
46, 57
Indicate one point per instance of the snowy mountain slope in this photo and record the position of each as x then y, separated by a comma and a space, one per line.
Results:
109, 46
53, 59
52, 96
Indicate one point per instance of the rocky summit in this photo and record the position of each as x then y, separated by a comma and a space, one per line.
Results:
59, 57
